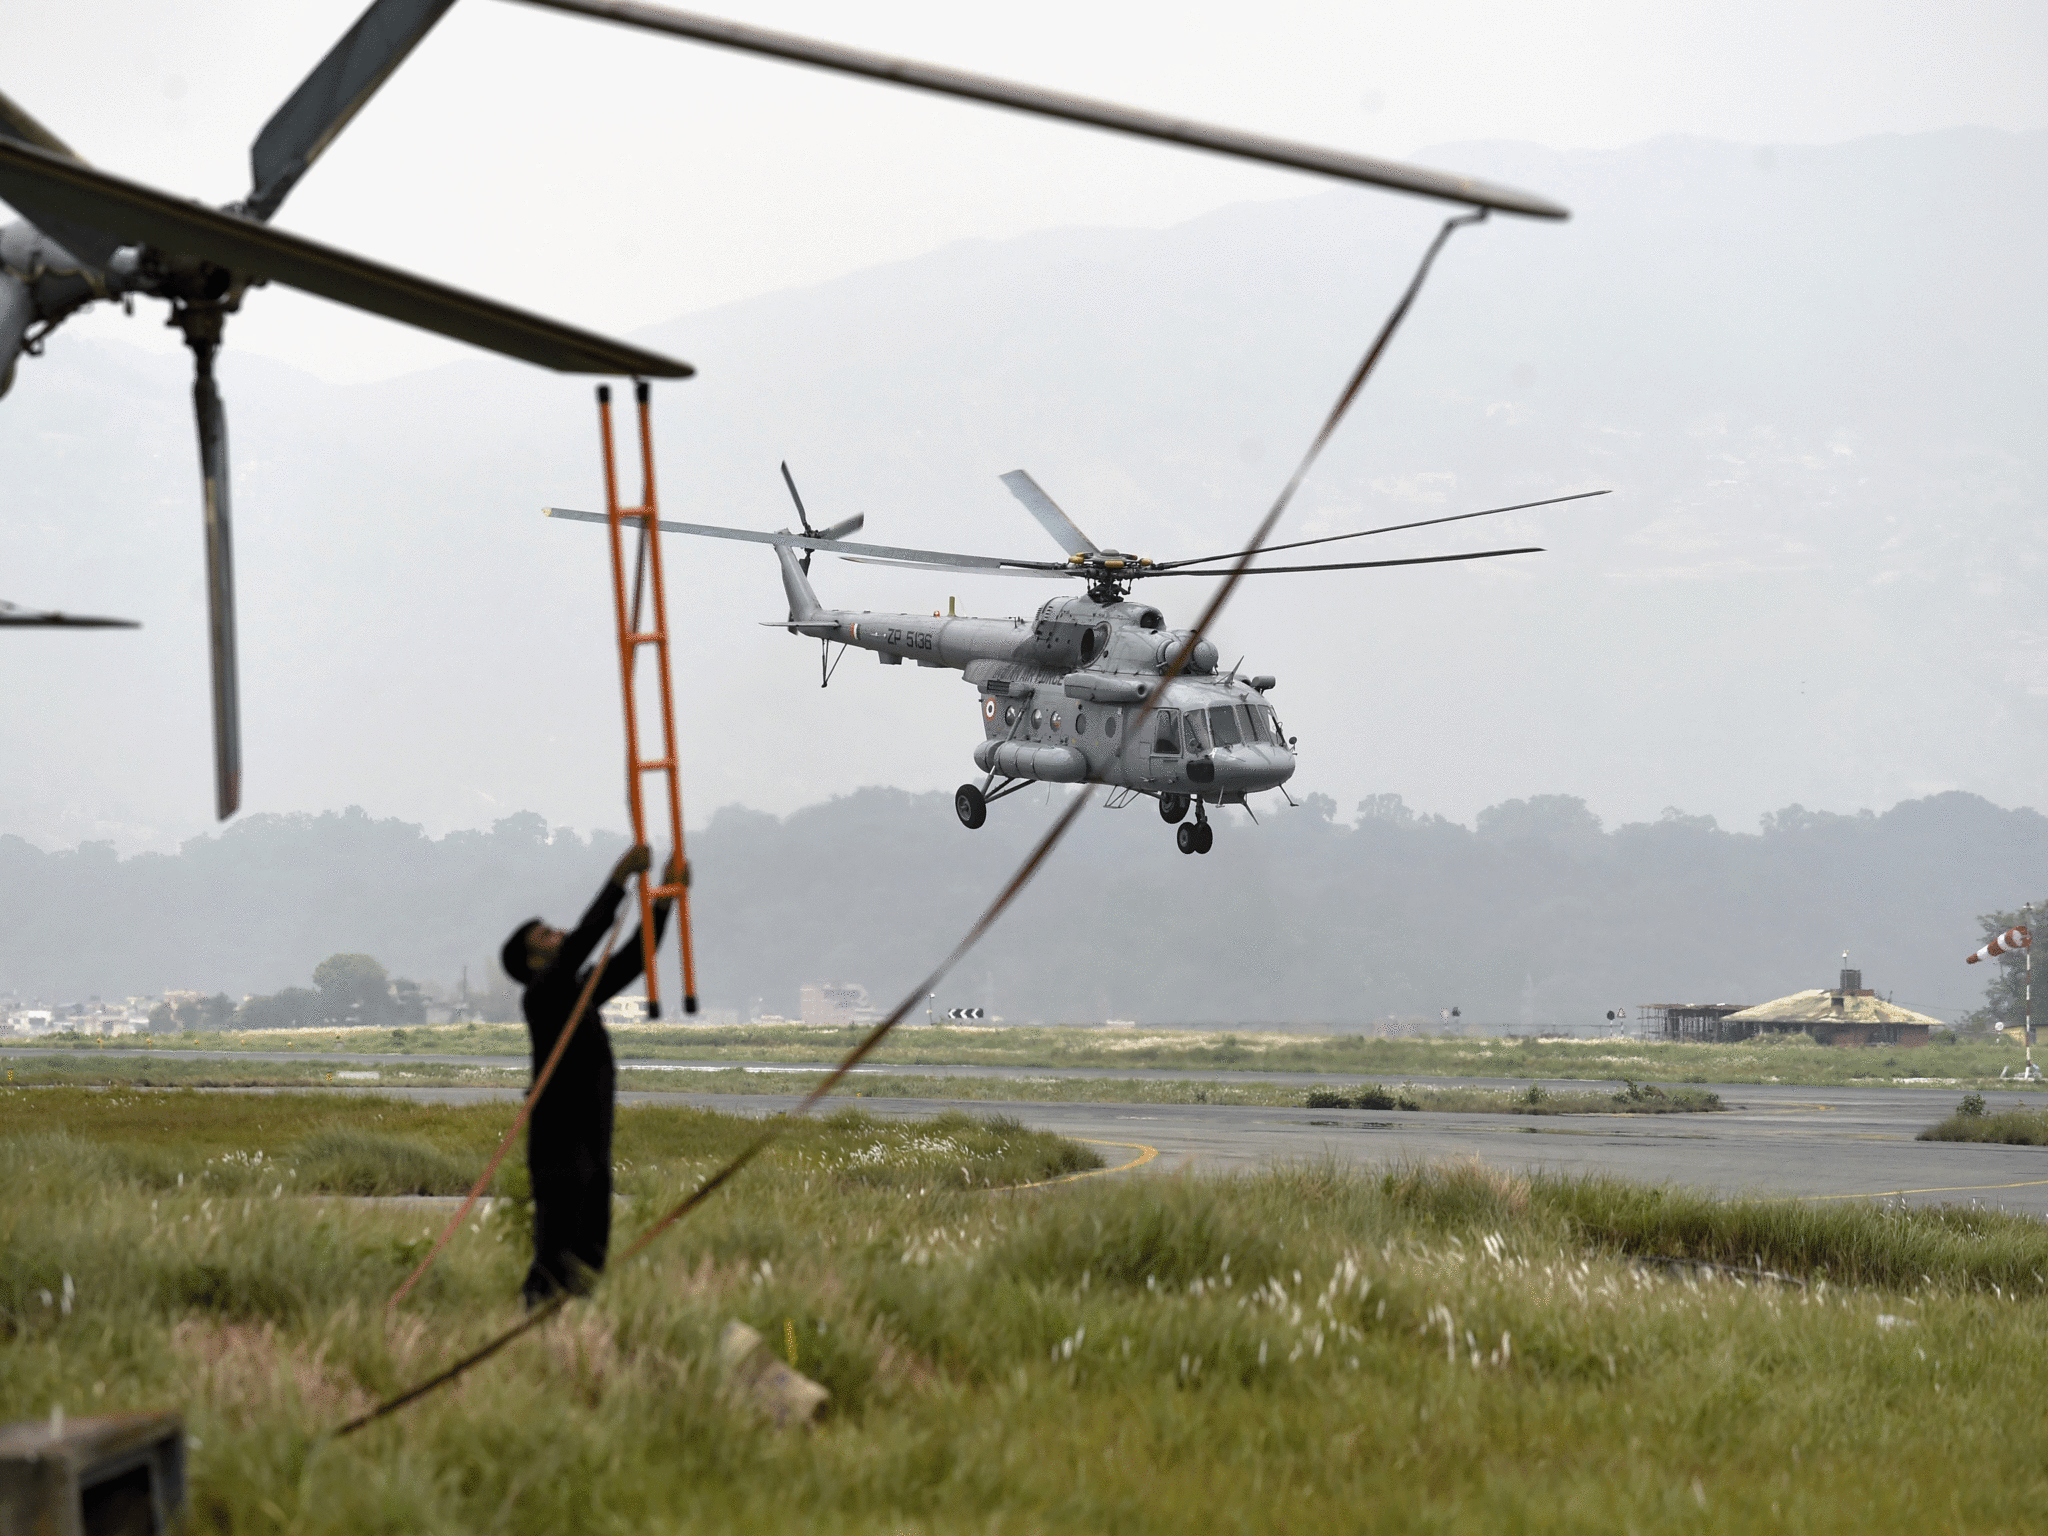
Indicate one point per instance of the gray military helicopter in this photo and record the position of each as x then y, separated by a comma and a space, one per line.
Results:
1078, 694
89, 237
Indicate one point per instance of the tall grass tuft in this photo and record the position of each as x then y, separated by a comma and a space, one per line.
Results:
348, 1161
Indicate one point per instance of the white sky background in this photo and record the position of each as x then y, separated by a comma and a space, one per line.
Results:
618, 179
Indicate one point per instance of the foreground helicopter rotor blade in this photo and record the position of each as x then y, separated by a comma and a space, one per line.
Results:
136, 214
889, 552
340, 85
1048, 513
17, 123
220, 583
1365, 533
12, 616
1353, 565
80, 240
1059, 104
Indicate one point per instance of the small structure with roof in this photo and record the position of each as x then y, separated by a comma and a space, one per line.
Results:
1850, 1014
1701, 1022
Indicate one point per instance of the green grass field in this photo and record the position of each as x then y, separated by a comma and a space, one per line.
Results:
127, 1070
1799, 1061
1441, 1349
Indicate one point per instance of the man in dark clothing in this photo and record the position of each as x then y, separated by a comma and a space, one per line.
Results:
569, 1137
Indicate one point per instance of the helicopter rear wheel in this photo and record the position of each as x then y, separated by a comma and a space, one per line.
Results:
1173, 808
969, 806
1184, 837
1205, 836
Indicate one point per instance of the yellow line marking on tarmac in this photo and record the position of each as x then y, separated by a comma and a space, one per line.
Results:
1946, 1189
1145, 1155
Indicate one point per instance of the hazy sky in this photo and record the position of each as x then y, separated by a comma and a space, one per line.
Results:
619, 179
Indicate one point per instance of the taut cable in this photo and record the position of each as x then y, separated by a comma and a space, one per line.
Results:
1033, 862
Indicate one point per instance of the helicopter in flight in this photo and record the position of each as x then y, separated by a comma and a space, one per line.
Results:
87, 236
1078, 693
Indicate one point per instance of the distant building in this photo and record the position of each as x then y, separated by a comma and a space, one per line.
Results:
1850, 1014
1689, 1021
623, 1010
831, 1002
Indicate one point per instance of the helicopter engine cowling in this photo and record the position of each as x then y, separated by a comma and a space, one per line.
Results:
1032, 760
1063, 643
1200, 664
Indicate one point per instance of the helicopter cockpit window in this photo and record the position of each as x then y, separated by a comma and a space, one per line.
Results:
1257, 716
1223, 725
1194, 729
1166, 733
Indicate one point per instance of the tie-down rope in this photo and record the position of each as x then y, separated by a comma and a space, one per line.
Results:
1010, 891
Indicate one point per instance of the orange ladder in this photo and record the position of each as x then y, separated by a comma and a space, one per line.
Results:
646, 573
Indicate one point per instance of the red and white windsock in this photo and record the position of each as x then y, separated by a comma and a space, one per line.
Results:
2011, 939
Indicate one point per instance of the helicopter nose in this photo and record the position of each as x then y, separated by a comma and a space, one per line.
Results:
1253, 767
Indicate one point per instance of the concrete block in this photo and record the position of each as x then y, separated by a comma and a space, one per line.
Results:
118, 1475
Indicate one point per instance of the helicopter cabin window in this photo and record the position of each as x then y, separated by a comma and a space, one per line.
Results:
1037, 715
1109, 723
1080, 722
1166, 733
1223, 725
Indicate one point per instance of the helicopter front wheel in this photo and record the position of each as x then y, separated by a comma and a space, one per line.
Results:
1173, 808
969, 806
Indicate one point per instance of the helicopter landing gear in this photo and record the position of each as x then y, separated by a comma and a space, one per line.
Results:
1195, 836
970, 806
1173, 808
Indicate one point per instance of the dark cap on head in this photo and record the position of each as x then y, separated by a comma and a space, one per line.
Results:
513, 955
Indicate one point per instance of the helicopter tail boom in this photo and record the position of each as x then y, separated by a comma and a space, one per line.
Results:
804, 606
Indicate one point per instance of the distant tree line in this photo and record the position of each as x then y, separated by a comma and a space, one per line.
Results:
347, 990
1532, 915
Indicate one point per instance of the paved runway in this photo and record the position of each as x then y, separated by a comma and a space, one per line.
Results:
1811, 1143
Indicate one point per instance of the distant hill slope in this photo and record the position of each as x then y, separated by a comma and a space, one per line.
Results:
1535, 915
1813, 377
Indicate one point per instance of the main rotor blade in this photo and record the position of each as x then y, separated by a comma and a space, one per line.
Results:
141, 215
337, 89
82, 241
16, 617
17, 123
1448, 186
1351, 565
1363, 533
1050, 517
220, 587
834, 546
1051, 573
